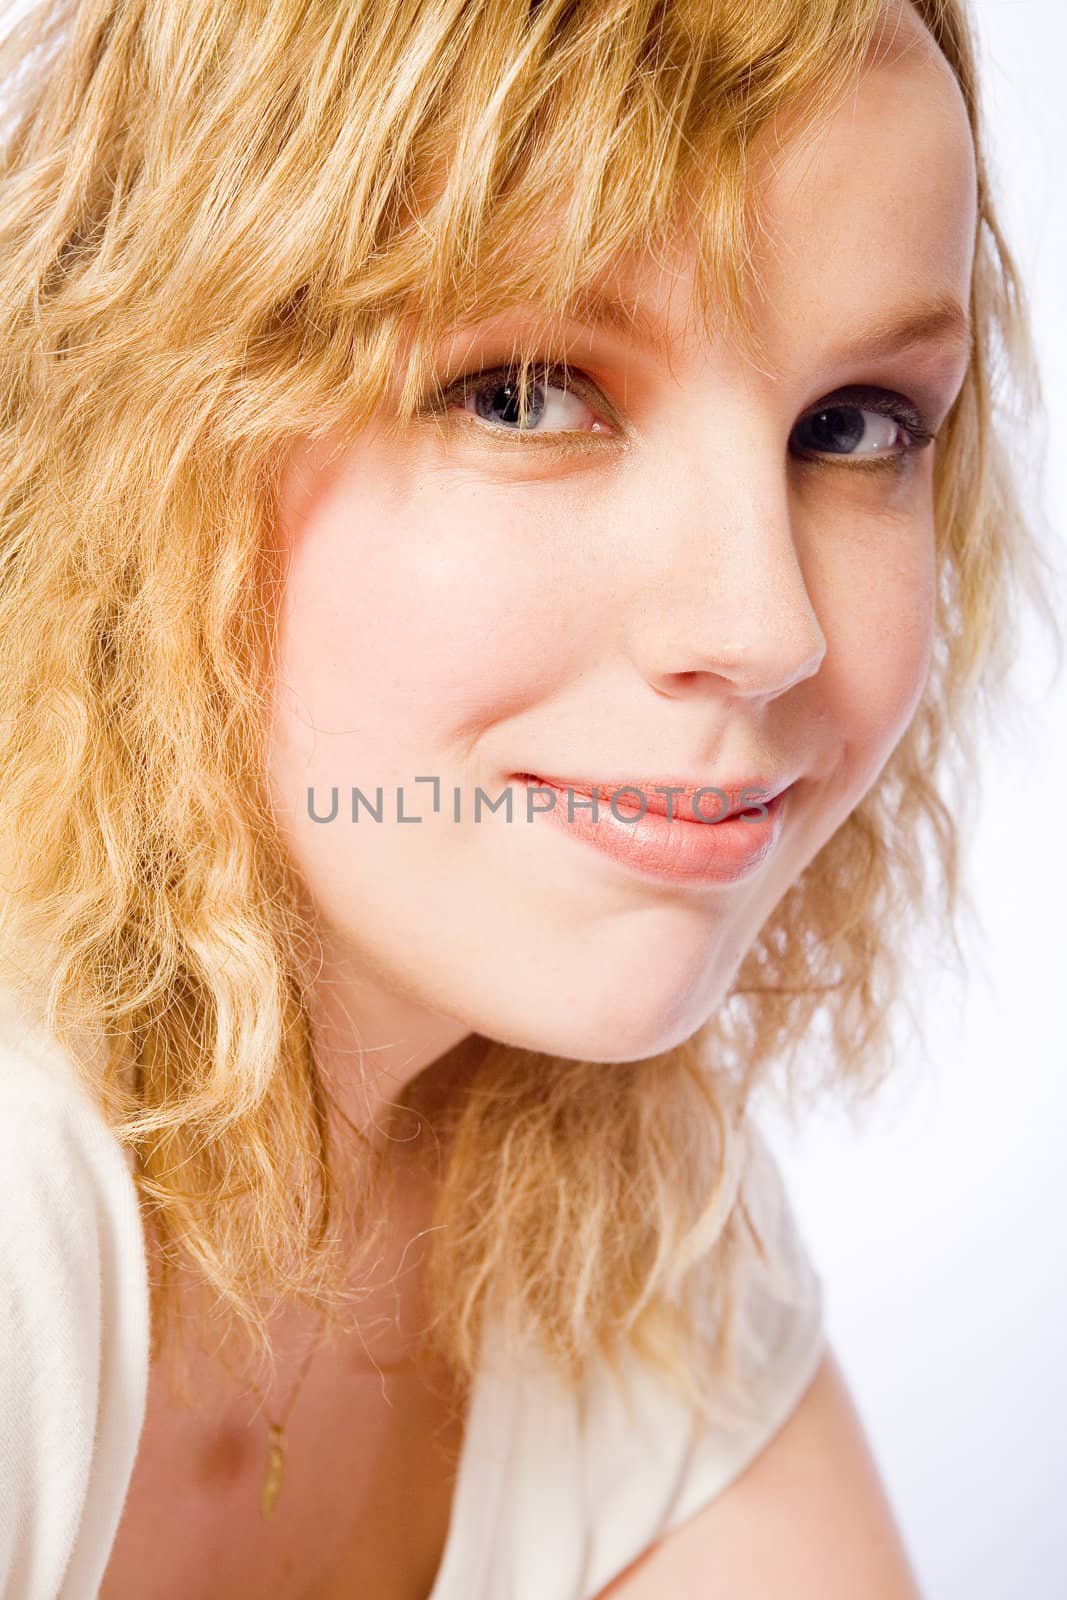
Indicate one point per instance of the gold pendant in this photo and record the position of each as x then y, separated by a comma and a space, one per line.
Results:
272, 1477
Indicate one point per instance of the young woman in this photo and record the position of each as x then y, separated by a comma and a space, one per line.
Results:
438, 439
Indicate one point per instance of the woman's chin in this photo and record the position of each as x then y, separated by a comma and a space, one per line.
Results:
604, 1038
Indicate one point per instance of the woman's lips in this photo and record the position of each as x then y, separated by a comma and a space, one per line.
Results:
676, 849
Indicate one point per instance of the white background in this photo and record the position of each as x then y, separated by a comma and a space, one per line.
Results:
939, 1224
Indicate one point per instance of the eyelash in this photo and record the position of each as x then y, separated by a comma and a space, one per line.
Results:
860, 397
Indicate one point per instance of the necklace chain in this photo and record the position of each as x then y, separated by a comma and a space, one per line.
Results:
274, 1469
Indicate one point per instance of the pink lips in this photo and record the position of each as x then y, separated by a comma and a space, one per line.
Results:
691, 802
630, 824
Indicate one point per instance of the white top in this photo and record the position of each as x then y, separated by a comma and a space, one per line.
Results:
555, 1493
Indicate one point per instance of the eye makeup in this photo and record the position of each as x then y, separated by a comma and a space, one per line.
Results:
548, 373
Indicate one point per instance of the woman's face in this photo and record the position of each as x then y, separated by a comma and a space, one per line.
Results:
719, 586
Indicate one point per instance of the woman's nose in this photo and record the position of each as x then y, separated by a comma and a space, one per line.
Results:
723, 594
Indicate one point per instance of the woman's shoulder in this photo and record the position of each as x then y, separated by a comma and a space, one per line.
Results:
58, 1154
73, 1318
681, 1460
615, 1468
779, 1335
799, 1468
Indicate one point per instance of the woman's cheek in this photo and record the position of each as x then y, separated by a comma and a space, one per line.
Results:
481, 613
416, 637
879, 613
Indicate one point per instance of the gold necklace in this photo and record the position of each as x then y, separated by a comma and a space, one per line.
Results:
274, 1470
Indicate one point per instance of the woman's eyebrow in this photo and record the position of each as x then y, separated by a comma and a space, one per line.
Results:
600, 308
591, 307
940, 319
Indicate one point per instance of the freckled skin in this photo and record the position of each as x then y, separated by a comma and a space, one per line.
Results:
703, 602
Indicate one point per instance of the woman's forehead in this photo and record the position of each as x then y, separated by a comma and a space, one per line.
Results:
871, 164
877, 200
873, 208
871, 203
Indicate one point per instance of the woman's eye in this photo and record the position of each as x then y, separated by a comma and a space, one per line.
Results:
872, 427
553, 397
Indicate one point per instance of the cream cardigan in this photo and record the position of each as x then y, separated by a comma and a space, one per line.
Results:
555, 1494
